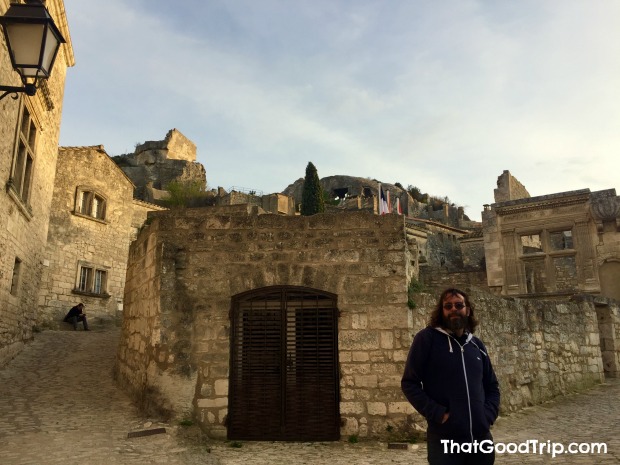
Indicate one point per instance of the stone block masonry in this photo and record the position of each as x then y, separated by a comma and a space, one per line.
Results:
186, 266
27, 185
539, 349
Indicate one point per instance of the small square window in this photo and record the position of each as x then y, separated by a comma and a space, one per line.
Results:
91, 280
90, 204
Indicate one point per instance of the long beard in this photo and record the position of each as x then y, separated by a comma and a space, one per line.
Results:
456, 324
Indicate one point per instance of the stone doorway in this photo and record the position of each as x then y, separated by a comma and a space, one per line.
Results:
284, 382
607, 340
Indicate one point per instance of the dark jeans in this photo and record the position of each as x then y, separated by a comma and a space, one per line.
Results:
464, 456
74, 321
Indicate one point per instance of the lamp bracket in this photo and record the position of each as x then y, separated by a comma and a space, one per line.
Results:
28, 89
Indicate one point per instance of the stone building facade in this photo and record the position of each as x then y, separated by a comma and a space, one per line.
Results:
553, 245
29, 133
187, 268
221, 302
93, 220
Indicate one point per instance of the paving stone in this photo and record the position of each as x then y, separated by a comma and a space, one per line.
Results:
60, 405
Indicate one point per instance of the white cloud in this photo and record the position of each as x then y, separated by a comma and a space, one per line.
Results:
444, 96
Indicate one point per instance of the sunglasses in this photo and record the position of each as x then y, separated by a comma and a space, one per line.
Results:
458, 306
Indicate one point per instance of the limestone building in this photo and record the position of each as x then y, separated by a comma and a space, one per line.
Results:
552, 245
215, 297
29, 133
273, 327
93, 219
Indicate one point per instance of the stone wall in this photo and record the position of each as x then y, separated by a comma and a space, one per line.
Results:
140, 212
472, 250
605, 208
76, 239
185, 267
509, 188
434, 277
441, 247
24, 223
539, 349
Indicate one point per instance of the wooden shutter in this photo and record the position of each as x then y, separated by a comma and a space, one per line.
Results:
284, 382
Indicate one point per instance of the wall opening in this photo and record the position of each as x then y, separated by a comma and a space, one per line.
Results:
609, 275
607, 341
284, 381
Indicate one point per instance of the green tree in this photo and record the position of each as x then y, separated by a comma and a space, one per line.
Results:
416, 193
312, 196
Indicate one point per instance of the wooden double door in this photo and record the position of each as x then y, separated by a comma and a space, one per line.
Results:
284, 380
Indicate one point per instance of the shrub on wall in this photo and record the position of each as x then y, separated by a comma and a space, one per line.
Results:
185, 194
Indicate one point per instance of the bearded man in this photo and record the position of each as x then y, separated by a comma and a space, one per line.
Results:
449, 379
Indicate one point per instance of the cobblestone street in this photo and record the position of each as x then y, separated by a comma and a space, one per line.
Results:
60, 405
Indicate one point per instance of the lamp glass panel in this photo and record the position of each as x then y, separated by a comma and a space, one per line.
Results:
25, 42
51, 45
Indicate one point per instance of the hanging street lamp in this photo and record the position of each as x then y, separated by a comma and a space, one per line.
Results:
33, 41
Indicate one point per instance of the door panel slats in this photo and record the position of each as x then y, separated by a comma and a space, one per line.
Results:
284, 381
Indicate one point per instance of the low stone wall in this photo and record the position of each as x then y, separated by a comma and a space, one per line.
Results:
539, 349
435, 277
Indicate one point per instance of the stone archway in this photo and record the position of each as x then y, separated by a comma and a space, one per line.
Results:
284, 379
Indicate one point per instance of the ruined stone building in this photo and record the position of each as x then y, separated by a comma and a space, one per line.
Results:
155, 164
552, 245
29, 132
93, 219
436, 233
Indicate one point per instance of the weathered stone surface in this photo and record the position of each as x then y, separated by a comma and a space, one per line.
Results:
199, 282
539, 349
25, 206
75, 238
547, 246
155, 164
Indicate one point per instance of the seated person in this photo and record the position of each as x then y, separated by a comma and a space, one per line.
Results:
75, 315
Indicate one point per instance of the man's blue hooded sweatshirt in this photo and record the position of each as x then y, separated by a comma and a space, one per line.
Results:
452, 374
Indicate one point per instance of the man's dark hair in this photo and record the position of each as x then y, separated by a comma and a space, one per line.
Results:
436, 318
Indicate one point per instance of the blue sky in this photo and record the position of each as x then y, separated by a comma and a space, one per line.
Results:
442, 95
